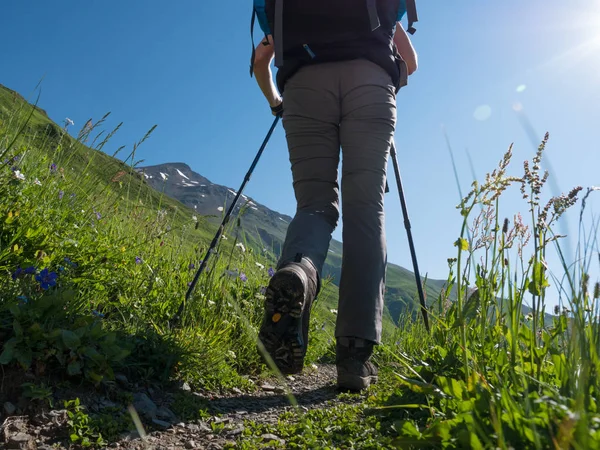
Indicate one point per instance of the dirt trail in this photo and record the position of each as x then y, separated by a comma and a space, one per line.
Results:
314, 388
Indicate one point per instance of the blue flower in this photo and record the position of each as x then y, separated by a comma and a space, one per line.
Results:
17, 273
53, 167
263, 290
69, 262
46, 279
138, 260
243, 277
29, 270
98, 215
192, 266
271, 272
60, 195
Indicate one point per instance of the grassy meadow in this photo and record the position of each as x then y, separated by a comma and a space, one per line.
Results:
94, 263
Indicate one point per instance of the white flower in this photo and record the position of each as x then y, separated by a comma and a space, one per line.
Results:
195, 219
220, 208
37, 182
333, 311
69, 122
18, 175
241, 246
232, 354
259, 265
211, 303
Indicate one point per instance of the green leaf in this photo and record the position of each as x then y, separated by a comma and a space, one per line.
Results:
539, 281
70, 339
92, 353
24, 357
74, 368
18, 329
7, 355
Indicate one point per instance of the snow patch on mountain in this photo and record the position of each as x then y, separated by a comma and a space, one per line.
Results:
182, 174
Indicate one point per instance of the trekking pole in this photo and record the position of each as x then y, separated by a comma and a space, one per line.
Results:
410, 239
221, 229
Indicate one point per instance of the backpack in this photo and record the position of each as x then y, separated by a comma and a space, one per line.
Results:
313, 31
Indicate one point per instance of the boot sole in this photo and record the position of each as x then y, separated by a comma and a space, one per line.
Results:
281, 329
355, 383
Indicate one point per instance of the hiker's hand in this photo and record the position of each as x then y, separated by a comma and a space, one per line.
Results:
277, 109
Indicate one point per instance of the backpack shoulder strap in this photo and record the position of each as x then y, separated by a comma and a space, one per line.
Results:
411, 13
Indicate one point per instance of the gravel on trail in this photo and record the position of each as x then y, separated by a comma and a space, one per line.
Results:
314, 388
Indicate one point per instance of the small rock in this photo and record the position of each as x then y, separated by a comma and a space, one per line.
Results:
202, 426
279, 390
291, 378
267, 387
193, 427
241, 413
271, 437
190, 444
121, 379
21, 441
237, 391
161, 423
144, 406
165, 413
239, 430
9, 408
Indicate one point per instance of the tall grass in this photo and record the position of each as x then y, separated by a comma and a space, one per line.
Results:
94, 263
493, 376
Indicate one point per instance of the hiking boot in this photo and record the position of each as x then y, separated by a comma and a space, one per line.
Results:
284, 329
355, 371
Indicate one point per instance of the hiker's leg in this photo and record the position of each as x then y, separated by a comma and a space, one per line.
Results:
311, 121
366, 133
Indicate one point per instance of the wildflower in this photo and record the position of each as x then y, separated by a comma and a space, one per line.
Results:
97, 314
271, 272
60, 195
69, 122
333, 311
17, 273
263, 290
231, 353
211, 303
241, 246
52, 167
37, 182
192, 266
259, 265
18, 175
69, 262
29, 270
98, 215
195, 219
243, 277
138, 260
46, 279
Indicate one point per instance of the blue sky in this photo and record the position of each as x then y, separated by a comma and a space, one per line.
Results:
184, 66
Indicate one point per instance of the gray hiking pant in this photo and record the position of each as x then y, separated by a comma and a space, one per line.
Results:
349, 104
